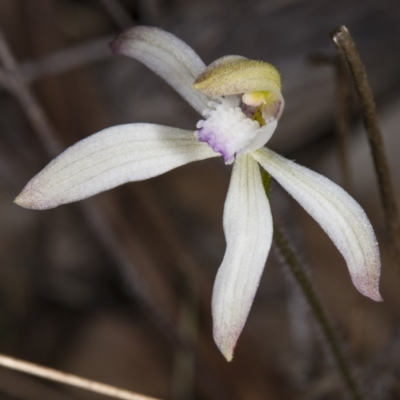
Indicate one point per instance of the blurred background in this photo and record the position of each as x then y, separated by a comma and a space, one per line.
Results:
118, 288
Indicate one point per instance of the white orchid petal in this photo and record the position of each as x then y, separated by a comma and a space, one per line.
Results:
248, 230
339, 215
167, 56
109, 158
264, 134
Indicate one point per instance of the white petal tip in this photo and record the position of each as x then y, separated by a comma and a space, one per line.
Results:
226, 346
122, 44
24, 200
367, 283
30, 199
377, 297
372, 292
119, 44
116, 45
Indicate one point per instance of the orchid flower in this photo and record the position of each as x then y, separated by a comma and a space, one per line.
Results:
241, 103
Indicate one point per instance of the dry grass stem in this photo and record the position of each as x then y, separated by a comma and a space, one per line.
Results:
68, 379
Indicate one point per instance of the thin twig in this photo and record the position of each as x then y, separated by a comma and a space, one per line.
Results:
68, 379
66, 59
299, 273
58, 62
341, 110
12, 80
345, 43
33, 112
118, 13
342, 120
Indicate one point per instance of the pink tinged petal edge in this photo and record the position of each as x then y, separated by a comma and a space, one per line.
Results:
109, 158
339, 215
167, 56
248, 231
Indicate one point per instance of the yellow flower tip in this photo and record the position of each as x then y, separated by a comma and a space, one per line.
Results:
232, 75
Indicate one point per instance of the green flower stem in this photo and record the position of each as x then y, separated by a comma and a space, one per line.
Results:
299, 272
345, 44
